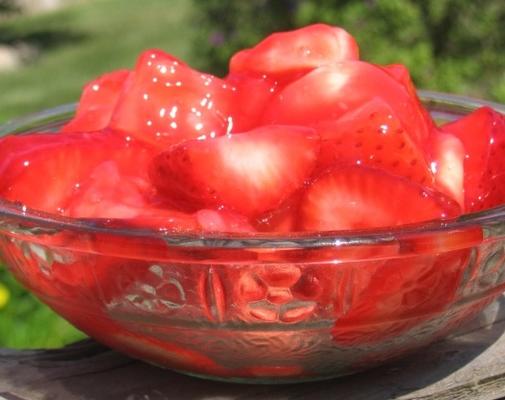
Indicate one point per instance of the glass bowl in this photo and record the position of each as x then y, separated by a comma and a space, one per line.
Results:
261, 308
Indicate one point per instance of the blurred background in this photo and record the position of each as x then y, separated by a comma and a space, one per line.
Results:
50, 48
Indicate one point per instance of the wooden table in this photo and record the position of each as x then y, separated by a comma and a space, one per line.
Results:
468, 365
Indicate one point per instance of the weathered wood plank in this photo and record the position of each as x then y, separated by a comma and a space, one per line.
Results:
469, 365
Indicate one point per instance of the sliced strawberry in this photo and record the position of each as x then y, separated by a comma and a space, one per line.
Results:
166, 102
359, 197
296, 51
328, 92
98, 99
385, 300
447, 156
250, 98
106, 193
43, 171
373, 135
402, 75
250, 172
483, 136
223, 221
282, 219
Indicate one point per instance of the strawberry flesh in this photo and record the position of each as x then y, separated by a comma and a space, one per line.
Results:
165, 102
250, 172
98, 99
373, 135
359, 197
483, 136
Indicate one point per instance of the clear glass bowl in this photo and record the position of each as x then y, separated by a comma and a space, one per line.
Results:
262, 308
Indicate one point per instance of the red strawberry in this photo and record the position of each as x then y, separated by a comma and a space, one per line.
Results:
296, 51
387, 299
223, 221
250, 98
328, 92
98, 99
166, 102
283, 219
107, 193
250, 172
43, 171
373, 135
483, 136
359, 198
447, 159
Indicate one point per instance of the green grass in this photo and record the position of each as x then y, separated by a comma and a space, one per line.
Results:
85, 40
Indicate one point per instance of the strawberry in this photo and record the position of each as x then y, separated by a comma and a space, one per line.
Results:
223, 221
447, 160
98, 99
328, 92
373, 135
250, 172
387, 299
166, 102
250, 97
297, 51
43, 171
483, 136
359, 197
106, 193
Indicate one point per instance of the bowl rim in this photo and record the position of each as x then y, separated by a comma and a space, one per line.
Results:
19, 219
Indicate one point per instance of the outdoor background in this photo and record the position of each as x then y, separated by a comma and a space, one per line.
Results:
50, 48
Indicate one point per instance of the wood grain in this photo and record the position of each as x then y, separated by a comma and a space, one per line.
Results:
468, 365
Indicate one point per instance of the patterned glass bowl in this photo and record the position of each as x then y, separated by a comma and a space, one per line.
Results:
261, 308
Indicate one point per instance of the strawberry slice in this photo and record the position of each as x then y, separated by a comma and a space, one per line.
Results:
447, 163
373, 135
166, 102
250, 98
359, 197
107, 193
296, 51
98, 99
484, 156
41, 170
223, 221
44, 171
250, 172
330, 91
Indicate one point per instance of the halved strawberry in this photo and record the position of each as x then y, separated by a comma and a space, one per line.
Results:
447, 157
373, 135
249, 172
43, 171
296, 51
387, 299
359, 197
330, 91
98, 99
108, 193
251, 95
223, 221
483, 136
166, 102
282, 219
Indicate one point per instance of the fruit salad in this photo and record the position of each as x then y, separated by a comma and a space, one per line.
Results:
301, 135
300, 138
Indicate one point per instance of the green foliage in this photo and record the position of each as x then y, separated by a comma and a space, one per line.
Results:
449, 45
